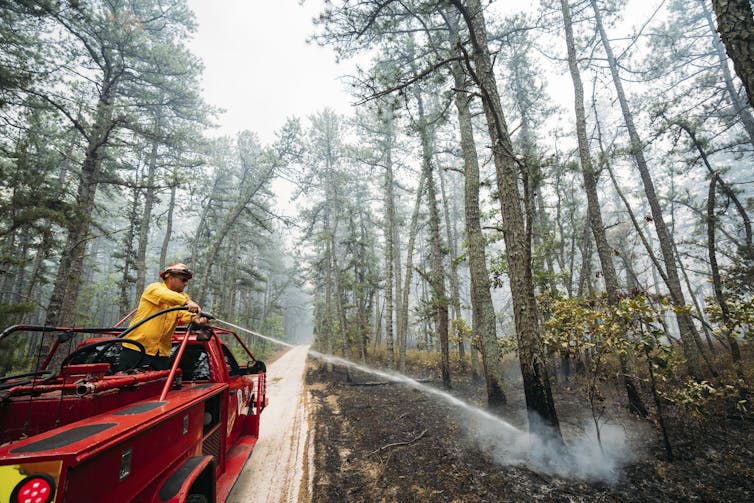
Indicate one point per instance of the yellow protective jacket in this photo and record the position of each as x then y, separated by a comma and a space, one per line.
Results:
156, 334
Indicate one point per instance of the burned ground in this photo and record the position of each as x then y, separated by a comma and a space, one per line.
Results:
376, 441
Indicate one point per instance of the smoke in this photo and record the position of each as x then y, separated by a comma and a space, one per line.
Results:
578, 456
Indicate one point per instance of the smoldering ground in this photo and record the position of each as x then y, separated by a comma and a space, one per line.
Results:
579, 454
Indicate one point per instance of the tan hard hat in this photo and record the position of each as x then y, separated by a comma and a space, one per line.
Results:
177, 269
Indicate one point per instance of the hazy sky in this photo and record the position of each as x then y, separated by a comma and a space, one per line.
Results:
258, 66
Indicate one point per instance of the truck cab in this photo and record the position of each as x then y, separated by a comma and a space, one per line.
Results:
87, 432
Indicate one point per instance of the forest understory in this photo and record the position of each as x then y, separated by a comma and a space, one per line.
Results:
381, 441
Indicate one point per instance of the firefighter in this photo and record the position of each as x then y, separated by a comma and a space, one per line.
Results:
156, 334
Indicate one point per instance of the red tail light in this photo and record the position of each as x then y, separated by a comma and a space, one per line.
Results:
37, 488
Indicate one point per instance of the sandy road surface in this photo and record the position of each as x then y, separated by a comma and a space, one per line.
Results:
275, 470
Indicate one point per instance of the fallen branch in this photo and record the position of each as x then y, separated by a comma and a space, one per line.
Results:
397, 444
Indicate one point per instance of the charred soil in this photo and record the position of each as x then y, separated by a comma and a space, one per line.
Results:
379, 441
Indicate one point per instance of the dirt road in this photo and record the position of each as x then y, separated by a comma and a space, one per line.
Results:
276, 469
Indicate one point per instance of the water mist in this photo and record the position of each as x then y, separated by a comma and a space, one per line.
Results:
582, 457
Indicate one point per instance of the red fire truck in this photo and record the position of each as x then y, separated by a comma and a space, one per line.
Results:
84, 432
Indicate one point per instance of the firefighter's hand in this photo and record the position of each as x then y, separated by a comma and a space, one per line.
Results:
193, 307
199, 320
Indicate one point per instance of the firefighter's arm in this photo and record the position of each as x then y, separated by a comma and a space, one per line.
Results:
193, 315
160, 295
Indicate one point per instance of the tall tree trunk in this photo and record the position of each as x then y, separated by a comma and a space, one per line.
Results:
62, 307
146, 220
585, 273
735, 23
539, 402
168, 224
202, 232
364, 339
745, 221
543, 235
399, 329
572, 245
126, 282
339, 295
364, 304
742, 108
389, 260
697, 307
232, 285
437, 280
688, 332
455, 296
377, 341
43, 253
604, 250
22, 258
7, 250
645, 240
412, 231
559, 219
483, 311
329, 321
716, 281
333, 217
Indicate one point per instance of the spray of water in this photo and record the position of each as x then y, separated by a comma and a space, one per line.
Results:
584, 458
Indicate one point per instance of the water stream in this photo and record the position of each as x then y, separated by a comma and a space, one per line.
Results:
583, 458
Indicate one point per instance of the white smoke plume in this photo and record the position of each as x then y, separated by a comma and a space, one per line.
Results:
581, 457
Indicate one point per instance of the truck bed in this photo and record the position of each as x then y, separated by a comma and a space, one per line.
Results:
113, 456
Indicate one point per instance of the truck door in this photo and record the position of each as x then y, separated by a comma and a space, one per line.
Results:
240, 390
